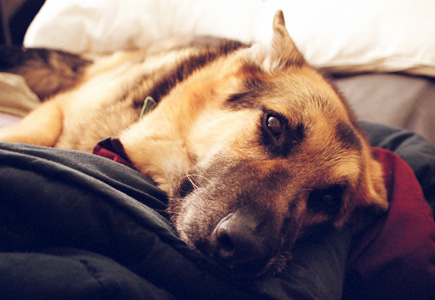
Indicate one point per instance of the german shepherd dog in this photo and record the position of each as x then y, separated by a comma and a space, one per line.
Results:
253, 146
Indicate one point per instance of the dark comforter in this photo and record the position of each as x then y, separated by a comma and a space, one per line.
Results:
79, 226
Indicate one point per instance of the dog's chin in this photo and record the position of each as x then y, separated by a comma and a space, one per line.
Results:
240, 241
248, 272
241, 271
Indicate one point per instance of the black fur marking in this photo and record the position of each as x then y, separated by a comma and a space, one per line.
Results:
295, 61
238, 97
187, 67
253, 89
244, 100
12, 58
46, 71
184, 70
222, 46
347, 136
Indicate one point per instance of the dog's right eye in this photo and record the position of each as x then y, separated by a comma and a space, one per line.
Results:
278, 136
275, 125
326, 200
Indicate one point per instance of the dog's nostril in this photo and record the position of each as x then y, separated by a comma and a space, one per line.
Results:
225, 245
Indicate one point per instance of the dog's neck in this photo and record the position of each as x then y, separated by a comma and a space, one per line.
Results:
157, 149
163, 159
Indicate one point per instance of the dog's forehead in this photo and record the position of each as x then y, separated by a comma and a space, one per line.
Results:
298, 88
302, 95
308, 101
306, 93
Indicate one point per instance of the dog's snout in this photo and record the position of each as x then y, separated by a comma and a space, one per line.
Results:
244, 241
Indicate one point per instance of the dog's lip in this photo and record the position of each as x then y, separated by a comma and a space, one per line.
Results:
240, 271
236, 272
113, 149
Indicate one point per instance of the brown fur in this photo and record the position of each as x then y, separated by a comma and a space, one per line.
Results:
242, 135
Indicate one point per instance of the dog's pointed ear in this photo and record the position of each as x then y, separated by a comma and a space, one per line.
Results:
376, 191
280, 53
372, 200
285, 53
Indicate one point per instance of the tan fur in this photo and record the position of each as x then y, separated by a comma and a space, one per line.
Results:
219, 148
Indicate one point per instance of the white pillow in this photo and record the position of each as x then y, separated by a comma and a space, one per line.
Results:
337, 35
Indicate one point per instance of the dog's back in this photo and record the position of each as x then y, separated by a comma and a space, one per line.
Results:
97, 89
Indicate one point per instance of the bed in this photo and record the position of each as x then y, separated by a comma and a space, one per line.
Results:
80, 226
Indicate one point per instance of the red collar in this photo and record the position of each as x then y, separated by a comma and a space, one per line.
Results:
113, 149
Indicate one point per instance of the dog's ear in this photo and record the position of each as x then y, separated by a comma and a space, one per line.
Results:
280, 53
371, 200
376, 194
284, 51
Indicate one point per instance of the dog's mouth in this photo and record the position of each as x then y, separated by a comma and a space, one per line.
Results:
229, 226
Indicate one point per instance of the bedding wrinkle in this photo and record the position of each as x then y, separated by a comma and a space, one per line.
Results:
138, 275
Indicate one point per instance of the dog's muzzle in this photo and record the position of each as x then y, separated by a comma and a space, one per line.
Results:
244, 241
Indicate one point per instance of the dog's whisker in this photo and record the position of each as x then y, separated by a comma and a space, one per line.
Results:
195, 184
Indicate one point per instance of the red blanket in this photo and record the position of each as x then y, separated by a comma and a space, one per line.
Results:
395, 259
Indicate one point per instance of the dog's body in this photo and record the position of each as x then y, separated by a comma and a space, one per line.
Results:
251, 144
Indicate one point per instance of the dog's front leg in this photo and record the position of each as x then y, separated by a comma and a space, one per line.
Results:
41, 127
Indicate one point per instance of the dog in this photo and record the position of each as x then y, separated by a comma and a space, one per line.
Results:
253, 146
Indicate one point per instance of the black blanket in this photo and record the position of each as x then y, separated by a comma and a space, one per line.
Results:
79, 226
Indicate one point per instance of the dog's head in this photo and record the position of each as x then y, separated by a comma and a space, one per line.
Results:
264, 149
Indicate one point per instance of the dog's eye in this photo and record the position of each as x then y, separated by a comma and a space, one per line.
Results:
278, 135
326, 200
275, 124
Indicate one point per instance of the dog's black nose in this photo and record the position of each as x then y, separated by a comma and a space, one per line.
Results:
244, 241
